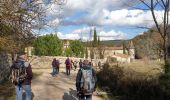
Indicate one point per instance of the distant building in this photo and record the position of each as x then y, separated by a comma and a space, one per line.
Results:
121, 53
66, 43
29, 51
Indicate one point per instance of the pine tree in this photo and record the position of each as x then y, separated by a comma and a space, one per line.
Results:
86, 53
98, 41
95, 38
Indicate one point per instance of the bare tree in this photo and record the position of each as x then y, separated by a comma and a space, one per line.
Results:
161, 27
18, 19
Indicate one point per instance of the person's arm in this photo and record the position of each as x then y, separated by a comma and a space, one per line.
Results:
29, 72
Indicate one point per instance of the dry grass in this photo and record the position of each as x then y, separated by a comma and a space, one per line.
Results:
7, 91
135, 81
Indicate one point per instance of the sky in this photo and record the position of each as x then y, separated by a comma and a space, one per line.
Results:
113, 19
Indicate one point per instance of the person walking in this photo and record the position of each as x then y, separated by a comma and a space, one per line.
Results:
58, 65
54, 66
75, 65
21, 76
68, 65
86, 81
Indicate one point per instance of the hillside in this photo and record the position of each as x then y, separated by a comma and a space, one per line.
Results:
112, 42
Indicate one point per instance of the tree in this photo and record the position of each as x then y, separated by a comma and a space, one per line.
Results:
48, 45
95, 42
161, 27
77, 48
68, 52
98, 41
86, 53
18, 19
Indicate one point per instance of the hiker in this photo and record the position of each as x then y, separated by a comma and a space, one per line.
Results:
68, 65
80, 63
86, 81
21, 76
58, 65
75, 65
54, 66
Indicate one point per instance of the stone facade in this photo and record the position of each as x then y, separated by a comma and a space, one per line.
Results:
116, 52
5, 63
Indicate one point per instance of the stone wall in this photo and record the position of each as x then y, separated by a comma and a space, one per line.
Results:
5, 63
45, 61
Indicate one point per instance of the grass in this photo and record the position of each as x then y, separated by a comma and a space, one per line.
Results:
7, 91
135, 81
106, 96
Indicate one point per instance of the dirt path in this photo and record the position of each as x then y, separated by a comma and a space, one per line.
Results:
61, 87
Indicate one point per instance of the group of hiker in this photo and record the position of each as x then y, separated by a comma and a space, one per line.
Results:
21, 76
69, 64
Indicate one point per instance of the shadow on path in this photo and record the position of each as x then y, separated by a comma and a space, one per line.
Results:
72, 95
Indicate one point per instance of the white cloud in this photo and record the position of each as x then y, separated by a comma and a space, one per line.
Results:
84, 35
112, 35
68, 36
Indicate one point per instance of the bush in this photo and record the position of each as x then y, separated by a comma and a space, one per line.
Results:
130, 85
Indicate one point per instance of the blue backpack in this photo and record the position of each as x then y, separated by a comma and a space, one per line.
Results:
67, 62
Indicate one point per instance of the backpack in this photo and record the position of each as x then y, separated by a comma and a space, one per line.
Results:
87, 82
68, 62
18, 72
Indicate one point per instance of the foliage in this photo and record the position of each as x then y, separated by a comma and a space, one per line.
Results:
68, 52
129, 84
48, 45
98, 41
86, 53
91, 53
17, 22
148, 45
95, 42
77, 48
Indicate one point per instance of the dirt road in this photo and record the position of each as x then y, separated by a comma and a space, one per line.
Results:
61, 87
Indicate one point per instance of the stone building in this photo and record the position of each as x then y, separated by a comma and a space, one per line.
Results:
122, 54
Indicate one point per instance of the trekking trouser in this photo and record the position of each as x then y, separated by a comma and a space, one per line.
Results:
68, 71
27, 89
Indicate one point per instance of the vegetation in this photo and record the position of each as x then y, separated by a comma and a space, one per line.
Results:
86, 53
7, 91
68, 52
95, 42
148, 45
17, 22
48, 45
129, 83
77, 48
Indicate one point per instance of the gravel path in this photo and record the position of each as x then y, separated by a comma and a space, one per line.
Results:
61, 87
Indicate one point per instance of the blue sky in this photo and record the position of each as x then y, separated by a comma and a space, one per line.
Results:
113, 19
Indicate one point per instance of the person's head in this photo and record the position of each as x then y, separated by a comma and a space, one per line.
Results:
54, 59
22, 55
86, 62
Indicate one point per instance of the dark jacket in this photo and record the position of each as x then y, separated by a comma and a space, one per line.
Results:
55, 63
27, 81
79, 76
29, 76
